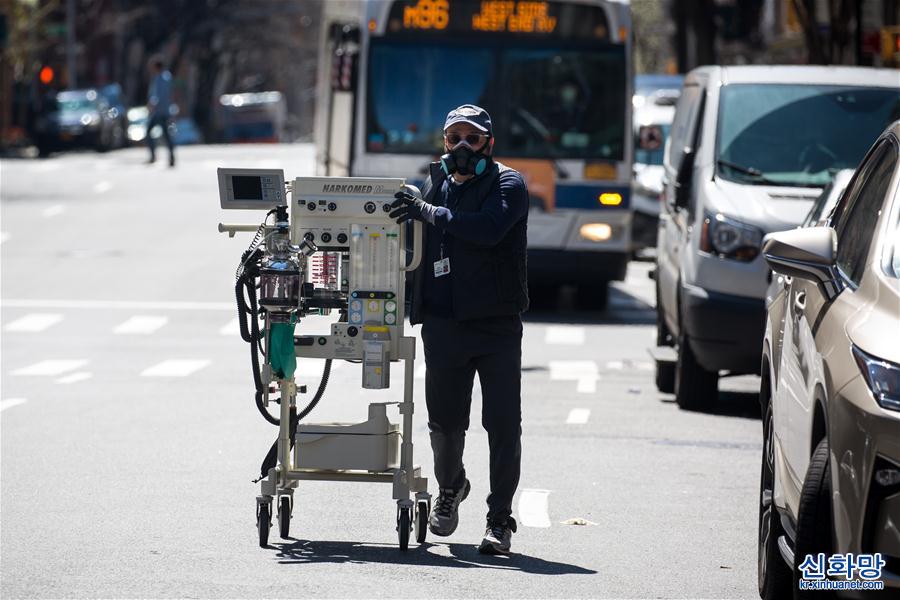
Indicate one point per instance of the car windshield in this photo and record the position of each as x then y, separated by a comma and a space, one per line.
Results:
544, 102
798, 135
73, 103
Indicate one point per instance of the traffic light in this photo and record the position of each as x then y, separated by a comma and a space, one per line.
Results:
890, 46
46, 75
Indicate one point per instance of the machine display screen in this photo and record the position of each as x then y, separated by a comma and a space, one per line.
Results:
247, 187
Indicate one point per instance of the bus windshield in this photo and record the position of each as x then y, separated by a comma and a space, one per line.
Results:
545, 102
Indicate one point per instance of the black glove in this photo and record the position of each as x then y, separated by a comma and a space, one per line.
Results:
407, 207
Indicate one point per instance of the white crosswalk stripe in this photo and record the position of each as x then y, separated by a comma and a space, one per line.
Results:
175, 368
50, 367
141, 325
34, 322
10, 402
534, 508
230, 328
53, 211
578, 416
564, 335
101, 187
584, 372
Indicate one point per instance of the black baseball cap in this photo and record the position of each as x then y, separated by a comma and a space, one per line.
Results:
471, 114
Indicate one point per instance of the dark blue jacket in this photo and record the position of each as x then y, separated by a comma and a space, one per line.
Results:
486, 243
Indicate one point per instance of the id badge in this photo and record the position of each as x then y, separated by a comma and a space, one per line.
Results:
442, 267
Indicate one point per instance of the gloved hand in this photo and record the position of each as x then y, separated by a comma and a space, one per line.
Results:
407, 207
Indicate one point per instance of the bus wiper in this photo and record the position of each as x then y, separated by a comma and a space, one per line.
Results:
746, 171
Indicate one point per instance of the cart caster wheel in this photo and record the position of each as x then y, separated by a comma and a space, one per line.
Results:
421, 523
284, 517
263, 522
403, 527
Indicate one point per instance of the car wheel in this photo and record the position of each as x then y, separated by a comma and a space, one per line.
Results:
665, 371
695, 387
774, 574
814, 519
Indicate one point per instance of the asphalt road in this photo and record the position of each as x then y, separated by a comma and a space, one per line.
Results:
129, 435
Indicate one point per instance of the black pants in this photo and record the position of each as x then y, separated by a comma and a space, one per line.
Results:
163, 122
454, 352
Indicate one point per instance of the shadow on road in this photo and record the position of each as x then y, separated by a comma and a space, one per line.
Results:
743, 405
464, 556
623, 308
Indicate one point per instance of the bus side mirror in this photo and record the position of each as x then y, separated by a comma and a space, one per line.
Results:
683, 178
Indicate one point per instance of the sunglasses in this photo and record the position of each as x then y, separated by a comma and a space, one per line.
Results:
471, 139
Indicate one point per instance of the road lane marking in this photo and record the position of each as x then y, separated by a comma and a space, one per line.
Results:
615, 365
116, 304
231, 328
53, 211
75, 377
141, 325
9, 403
534, 508
34, 322
101, 187
175, 368
50, 367
578, 416
564, 335
584, 372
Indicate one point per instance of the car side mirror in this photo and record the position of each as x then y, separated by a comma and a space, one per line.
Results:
683, 178
808, 253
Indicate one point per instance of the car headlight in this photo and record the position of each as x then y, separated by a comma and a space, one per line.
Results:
88, 119
728, 238
882, 377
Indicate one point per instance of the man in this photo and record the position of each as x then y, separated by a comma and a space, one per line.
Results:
159, 103
469, 293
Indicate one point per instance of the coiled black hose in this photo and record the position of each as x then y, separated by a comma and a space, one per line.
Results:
272, 456
245, 295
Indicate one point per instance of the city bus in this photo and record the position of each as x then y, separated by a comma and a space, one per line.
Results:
556, 77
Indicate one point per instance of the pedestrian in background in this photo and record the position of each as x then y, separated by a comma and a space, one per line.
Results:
469, 293
159, 105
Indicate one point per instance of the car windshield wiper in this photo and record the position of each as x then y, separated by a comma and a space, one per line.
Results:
756, 173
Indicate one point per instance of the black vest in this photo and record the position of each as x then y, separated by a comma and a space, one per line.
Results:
486, 281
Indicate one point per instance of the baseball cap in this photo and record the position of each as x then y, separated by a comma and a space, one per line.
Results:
471, 114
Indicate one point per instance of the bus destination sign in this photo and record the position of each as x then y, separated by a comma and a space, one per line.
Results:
523, 17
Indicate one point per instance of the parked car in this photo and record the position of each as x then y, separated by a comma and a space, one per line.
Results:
253, 117
750, 150
81, 118
830, 388
654, 109
183, 130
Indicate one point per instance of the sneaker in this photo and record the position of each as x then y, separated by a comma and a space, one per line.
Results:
445, 514
497, 538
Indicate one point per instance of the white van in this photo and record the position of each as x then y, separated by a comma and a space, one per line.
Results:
749, 151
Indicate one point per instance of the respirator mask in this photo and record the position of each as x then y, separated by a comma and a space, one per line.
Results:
465, 161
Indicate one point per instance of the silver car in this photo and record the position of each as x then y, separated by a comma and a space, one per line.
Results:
830, 388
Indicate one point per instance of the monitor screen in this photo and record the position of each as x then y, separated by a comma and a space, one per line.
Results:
247, 187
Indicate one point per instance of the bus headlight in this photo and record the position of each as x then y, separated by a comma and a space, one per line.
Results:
596, 232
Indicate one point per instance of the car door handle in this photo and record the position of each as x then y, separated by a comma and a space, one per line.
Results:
799, 302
